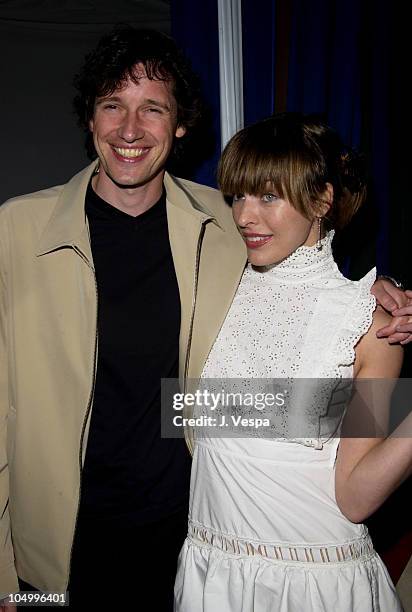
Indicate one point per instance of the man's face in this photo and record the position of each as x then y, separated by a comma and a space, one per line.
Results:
133, 131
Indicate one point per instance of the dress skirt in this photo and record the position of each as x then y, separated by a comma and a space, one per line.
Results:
266, 534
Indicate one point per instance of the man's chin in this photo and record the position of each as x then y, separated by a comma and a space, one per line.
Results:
132, 182
128, 183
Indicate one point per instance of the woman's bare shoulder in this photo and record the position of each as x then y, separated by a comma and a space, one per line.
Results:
376, 357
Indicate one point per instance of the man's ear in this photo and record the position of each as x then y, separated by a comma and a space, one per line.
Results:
91, 125
180, 131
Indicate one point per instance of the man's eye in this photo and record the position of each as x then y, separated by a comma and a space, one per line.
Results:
237, 197
110, 106
269, 197
154, 110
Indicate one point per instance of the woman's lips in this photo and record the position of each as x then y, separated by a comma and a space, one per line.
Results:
256, 241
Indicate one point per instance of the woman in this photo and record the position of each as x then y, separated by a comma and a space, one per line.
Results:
276, 523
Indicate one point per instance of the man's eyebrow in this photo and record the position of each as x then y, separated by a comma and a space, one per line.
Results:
103, 99
108, 99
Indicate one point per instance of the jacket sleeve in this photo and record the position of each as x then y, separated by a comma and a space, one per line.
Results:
8, 575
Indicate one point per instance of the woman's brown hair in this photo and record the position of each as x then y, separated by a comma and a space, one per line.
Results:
297, 156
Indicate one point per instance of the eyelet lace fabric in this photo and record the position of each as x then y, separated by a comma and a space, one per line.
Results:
299, 319
265, 530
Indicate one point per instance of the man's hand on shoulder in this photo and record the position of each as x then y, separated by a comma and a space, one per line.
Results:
7, 607
399, 304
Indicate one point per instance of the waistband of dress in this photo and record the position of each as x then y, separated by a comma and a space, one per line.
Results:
338, 553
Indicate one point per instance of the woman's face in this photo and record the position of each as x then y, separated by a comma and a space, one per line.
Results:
271, 227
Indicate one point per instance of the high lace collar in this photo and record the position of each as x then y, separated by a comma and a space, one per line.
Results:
303, 264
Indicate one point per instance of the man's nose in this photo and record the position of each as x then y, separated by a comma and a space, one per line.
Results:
131, 128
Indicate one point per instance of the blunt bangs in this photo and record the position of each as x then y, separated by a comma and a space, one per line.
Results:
261, 158
296, 157
246, 170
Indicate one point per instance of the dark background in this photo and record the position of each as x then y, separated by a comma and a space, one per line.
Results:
42, 45
344, 58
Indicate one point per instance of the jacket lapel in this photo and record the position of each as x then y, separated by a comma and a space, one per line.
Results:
209, 264
185, 227
67, 225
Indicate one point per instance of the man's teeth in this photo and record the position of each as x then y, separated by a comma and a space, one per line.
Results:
256, 238
129, 152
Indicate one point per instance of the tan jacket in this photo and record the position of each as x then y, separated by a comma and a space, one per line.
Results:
48, 353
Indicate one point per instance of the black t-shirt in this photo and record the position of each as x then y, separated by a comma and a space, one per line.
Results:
130, 472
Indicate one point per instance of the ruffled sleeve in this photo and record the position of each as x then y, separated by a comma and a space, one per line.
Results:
343, 315
356, 322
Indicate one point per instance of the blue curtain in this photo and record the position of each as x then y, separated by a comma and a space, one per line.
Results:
259, 69
338, 67
324, 65
194, 25
337, 64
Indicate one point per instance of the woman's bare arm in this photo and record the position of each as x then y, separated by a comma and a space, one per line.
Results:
368, 470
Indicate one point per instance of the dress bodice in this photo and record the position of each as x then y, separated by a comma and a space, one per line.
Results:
293, 321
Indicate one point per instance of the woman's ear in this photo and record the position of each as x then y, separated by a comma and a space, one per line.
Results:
326, 200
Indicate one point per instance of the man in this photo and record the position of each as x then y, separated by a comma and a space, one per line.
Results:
117, 274
108, 283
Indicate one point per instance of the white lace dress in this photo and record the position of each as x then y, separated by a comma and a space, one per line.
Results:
265, 532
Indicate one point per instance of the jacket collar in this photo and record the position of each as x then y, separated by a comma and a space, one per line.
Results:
67, 226
179, 194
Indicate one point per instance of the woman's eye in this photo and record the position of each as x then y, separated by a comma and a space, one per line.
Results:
237, 197
269, 197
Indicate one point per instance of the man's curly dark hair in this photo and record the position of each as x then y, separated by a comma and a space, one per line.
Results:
112, 63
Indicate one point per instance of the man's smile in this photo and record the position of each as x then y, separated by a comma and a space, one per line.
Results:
129, 154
